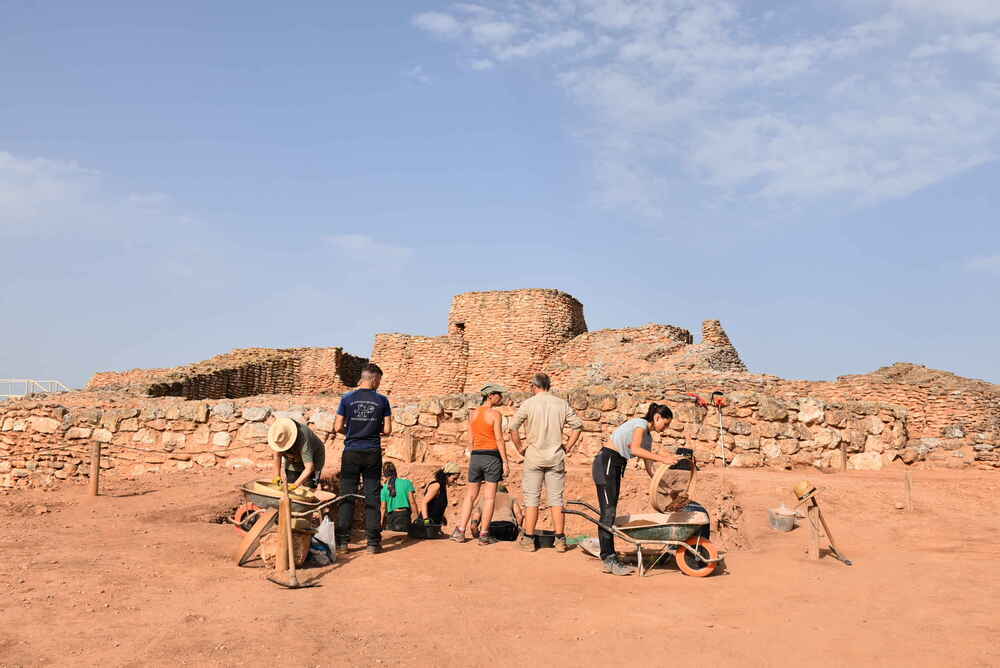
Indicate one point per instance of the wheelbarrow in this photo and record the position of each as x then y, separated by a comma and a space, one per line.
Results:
260, 496
676, 535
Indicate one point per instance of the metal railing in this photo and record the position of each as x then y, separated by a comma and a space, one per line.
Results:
15, 388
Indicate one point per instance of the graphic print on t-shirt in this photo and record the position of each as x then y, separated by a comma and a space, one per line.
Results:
365, 412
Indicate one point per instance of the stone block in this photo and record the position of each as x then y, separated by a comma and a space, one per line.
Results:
811, 411
579, 401
873, 425
102, 435
427, 420
322, 420
770, 409
431, 407
221, 439
607, 403
5, 467
453, 403
6, 424
746, 461
205, 459
874, 444
401, 448
223, 411
591, 426
865, 461
19, 425
770, 448
172, 439
953, 431
252, 432
256, 413
627, 404
146, 437
184, 466
790, 446
296, 413
407, 418
196, 411
129, 424
836, 417
78, 432
44, 425
200, 436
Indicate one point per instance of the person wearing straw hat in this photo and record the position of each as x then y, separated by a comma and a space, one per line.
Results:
302, 450
487, 462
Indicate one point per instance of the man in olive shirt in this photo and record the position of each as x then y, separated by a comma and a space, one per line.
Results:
544, 456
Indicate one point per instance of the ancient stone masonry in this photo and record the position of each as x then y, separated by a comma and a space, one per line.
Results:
216, 412
505, 337
242, 373
43, 441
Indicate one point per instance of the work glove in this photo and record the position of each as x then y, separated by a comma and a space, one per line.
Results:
276, 480
293, 486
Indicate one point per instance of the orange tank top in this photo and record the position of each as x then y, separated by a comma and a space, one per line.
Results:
483, 437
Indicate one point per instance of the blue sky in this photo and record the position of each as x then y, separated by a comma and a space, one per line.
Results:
177, 181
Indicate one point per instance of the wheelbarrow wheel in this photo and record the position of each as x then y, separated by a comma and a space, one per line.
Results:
692, 565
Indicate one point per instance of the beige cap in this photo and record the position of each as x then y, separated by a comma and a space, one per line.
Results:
282, 434
492, 389
451, 467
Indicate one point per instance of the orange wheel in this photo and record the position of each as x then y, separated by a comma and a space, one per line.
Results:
245, 516
692, 565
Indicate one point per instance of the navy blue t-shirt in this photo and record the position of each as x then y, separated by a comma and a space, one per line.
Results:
364, 412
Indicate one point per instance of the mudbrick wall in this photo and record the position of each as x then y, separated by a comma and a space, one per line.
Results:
243, 373
45, 440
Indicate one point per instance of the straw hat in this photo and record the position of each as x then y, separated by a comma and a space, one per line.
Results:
282, 434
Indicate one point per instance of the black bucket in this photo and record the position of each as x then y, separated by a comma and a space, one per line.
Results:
425, 531
545, 538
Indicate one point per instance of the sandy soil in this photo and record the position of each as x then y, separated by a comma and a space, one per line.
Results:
142, 576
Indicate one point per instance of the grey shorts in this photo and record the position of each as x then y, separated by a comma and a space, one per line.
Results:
485, 466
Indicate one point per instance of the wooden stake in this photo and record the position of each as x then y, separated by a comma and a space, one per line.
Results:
95, 467
843, 456
812, 511
909, 492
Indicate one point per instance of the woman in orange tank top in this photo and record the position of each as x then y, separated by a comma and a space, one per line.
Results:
487, 462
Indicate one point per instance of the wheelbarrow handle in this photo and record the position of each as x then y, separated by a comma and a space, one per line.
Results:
578, 502
327, 504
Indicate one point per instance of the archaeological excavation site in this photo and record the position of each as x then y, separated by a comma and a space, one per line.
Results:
216, 412
153, 566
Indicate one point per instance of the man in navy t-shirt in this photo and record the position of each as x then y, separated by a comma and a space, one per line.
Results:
364, 417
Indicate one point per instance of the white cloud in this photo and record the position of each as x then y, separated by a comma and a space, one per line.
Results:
417, 73
42, 198
366, 249
437, 23
782, 105
985, 263
973, 11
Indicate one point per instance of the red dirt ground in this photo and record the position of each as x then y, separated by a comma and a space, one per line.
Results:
140, 576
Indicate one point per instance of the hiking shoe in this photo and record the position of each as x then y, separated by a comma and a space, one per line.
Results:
458, 536
526, 543
615, 567
560, 544
486, 539
373, 549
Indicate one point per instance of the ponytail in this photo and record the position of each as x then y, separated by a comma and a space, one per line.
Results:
389, 471
662, 410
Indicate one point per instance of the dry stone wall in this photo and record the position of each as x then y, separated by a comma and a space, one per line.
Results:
242, 373
48, 440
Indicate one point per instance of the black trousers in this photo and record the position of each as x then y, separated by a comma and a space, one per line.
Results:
359, 466
608, 470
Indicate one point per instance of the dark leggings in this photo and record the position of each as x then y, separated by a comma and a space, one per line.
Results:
608, 470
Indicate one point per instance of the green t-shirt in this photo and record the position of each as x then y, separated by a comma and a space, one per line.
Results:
402, 498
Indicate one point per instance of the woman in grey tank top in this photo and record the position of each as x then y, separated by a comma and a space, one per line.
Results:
631, 439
